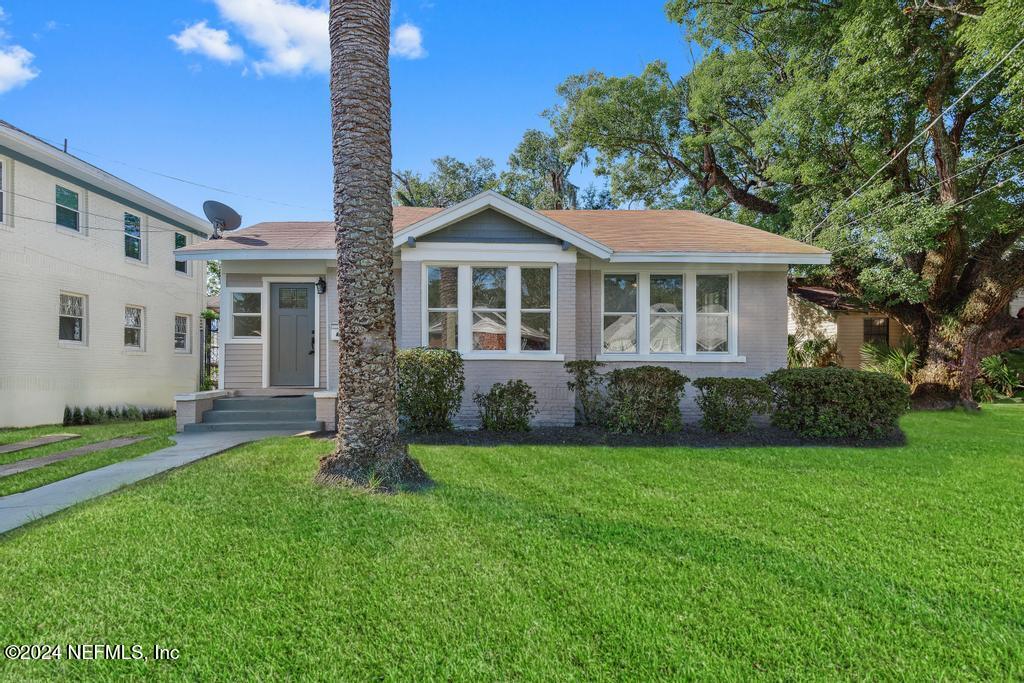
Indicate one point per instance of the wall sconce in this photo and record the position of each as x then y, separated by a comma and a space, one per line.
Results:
321, 286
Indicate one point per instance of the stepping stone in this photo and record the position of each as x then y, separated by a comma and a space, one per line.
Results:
33, 463
38, 441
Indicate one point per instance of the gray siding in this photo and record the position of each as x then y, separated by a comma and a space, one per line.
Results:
489, 226
243, 366
244, 280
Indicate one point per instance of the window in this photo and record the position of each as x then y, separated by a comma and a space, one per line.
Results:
133, 327
3, 169
442, 307
246, 316
876, 331
535, 309
712, 313
71, 318
182, 339
67, 208
620, 313
666, 314
132, 237
180, 240
490, 330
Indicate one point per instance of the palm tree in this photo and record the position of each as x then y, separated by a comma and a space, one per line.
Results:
369, 451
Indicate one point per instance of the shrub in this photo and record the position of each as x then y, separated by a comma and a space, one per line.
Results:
67, 416
813, 353
101, 415
430, 384
837, 402
76, 416
586, 383
899, 361
645, 399
507, 407
728, 403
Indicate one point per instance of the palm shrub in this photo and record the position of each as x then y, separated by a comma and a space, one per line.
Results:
507, 407
813, 353
837, 402
896, 361
430, 386
998, 379
645, 399
728, 403
586, 383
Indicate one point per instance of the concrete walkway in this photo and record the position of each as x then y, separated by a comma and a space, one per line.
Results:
22, 508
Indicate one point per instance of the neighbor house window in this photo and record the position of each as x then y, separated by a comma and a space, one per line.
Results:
71, 318
620, 313
182, 338
180, 240
876, 331
712, 313
67, 208
133, 327
246, 316
535, 309
442, 307
490, 330
666, 314
132, 237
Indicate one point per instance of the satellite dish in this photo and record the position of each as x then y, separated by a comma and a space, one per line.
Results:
222, 216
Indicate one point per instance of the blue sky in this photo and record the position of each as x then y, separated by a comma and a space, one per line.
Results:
233, 93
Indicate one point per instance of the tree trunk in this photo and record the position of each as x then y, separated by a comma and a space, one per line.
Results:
369, 451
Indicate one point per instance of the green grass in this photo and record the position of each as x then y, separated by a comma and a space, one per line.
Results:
550, 563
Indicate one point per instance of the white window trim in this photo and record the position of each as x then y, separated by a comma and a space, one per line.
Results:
228, 305
513, 280
189, 333
141, 348
188, 264
690, 355
143, 241
71, 343
6, 190
83, 209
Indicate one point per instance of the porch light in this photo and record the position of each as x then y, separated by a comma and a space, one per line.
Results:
321, 286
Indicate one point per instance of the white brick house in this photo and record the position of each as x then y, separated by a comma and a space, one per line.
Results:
517, 292
96, 310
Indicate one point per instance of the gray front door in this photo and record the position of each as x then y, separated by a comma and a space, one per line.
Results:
292, 335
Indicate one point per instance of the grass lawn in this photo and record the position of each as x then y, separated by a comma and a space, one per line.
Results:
157, 430
550, 563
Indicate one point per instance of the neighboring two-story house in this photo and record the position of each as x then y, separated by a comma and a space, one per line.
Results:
96, 310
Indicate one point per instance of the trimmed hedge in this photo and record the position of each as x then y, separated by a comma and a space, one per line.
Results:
507, 407
100, 415
837, 402
430, 384
645, 399
728, 403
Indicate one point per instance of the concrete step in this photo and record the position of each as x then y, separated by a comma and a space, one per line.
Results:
259, 416
265, 403
300, 426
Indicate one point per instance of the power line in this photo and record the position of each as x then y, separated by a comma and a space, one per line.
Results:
80, 211
988, 189
918, 136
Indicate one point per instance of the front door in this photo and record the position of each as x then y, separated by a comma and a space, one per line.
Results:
292, 335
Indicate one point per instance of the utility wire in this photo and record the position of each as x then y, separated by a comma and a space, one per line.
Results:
898, 154
86, 213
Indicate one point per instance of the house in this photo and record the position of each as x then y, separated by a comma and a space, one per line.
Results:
516, 291
821, 313
97, 310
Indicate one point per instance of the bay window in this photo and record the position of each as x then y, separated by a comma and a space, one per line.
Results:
620, 313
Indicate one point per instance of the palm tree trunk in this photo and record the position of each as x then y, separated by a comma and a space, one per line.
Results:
369, 451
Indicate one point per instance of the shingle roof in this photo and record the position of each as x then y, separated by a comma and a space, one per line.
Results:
644, 231
824, 297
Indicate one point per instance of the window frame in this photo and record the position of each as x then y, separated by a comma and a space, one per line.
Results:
729, 314
474, 309
79, 212
654, 315
513, 301
5, 209
228, 300
689, 331
636, 314
441, 309
84, 318
863, 328
188, 265
141, 328
550, 310
140, 238
188, 334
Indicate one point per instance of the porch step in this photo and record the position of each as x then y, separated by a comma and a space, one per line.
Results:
266, 403
301, 426
261, 416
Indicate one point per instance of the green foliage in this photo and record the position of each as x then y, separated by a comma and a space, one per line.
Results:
452, 181
587, 384
837, 402
999, 379
728, 403
900, 362
430, 385
103, 415
538, 173
813, 353
645, 399
507, 407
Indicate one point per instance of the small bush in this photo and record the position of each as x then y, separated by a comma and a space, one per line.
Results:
101, 415
67, 416
837, 402
728, 403
430, 384
507, 407
586, 383
645, 399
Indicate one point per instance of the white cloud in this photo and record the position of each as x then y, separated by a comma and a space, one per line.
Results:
15, 67
407, 41
292, 36
212, 42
